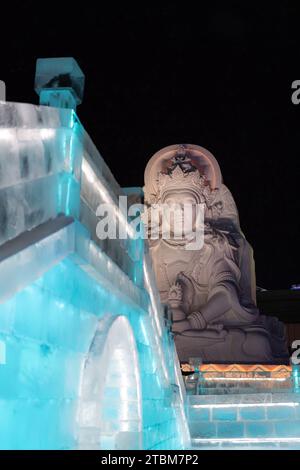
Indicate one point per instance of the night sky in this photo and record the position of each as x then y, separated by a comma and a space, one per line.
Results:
211, 74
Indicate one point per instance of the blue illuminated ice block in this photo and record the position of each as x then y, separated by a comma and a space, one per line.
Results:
59, 82
86, 358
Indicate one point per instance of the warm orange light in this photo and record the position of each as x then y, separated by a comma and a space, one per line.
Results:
241, 370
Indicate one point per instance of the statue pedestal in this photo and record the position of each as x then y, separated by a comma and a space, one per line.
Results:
226, 379
249, 344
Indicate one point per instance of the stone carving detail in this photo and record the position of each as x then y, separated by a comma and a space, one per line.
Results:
211, 291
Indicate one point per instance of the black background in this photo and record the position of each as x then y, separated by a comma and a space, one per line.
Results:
214, 74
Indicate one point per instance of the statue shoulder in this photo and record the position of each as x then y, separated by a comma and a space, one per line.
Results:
223, 207
220, 245
223, 262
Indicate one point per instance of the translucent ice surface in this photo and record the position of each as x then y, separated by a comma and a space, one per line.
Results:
86, 358
59, 82
85, 353
48, 166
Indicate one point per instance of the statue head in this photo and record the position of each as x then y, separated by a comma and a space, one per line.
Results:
181, 177
182, 180
181, 189
184, 203
181, 167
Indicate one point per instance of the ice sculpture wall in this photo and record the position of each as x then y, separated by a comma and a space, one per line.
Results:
87, 360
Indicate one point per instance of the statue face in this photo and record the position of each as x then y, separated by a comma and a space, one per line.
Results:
181, 220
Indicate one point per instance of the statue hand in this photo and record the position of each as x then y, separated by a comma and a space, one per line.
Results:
175, 302
179, 326
175, 296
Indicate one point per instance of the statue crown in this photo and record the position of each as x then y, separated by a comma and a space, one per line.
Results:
182, 174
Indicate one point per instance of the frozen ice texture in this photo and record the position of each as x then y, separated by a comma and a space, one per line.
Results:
238, 422
49, 165
59, 82
87, 349
120, 410
22, 268
83, 347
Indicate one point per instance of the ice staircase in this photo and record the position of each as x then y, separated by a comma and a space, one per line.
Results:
244, 415
261, 421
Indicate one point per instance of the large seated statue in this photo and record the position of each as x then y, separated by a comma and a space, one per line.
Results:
211, 289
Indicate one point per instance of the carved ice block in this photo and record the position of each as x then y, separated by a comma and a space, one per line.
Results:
59, 82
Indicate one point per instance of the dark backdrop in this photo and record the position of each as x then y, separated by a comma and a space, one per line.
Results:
214, 74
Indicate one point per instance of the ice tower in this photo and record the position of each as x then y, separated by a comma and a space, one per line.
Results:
87, 360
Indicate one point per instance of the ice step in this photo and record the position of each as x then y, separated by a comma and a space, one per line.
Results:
236, 391
246, 444
258, 417
243, 398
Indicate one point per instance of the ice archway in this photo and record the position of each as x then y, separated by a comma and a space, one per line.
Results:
110, 409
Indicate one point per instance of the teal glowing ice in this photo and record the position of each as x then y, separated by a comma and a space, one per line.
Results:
86, 360
59, 82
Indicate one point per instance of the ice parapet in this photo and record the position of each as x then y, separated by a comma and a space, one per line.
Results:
48, 166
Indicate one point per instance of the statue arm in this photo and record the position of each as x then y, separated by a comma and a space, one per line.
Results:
223, 294
219, 303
